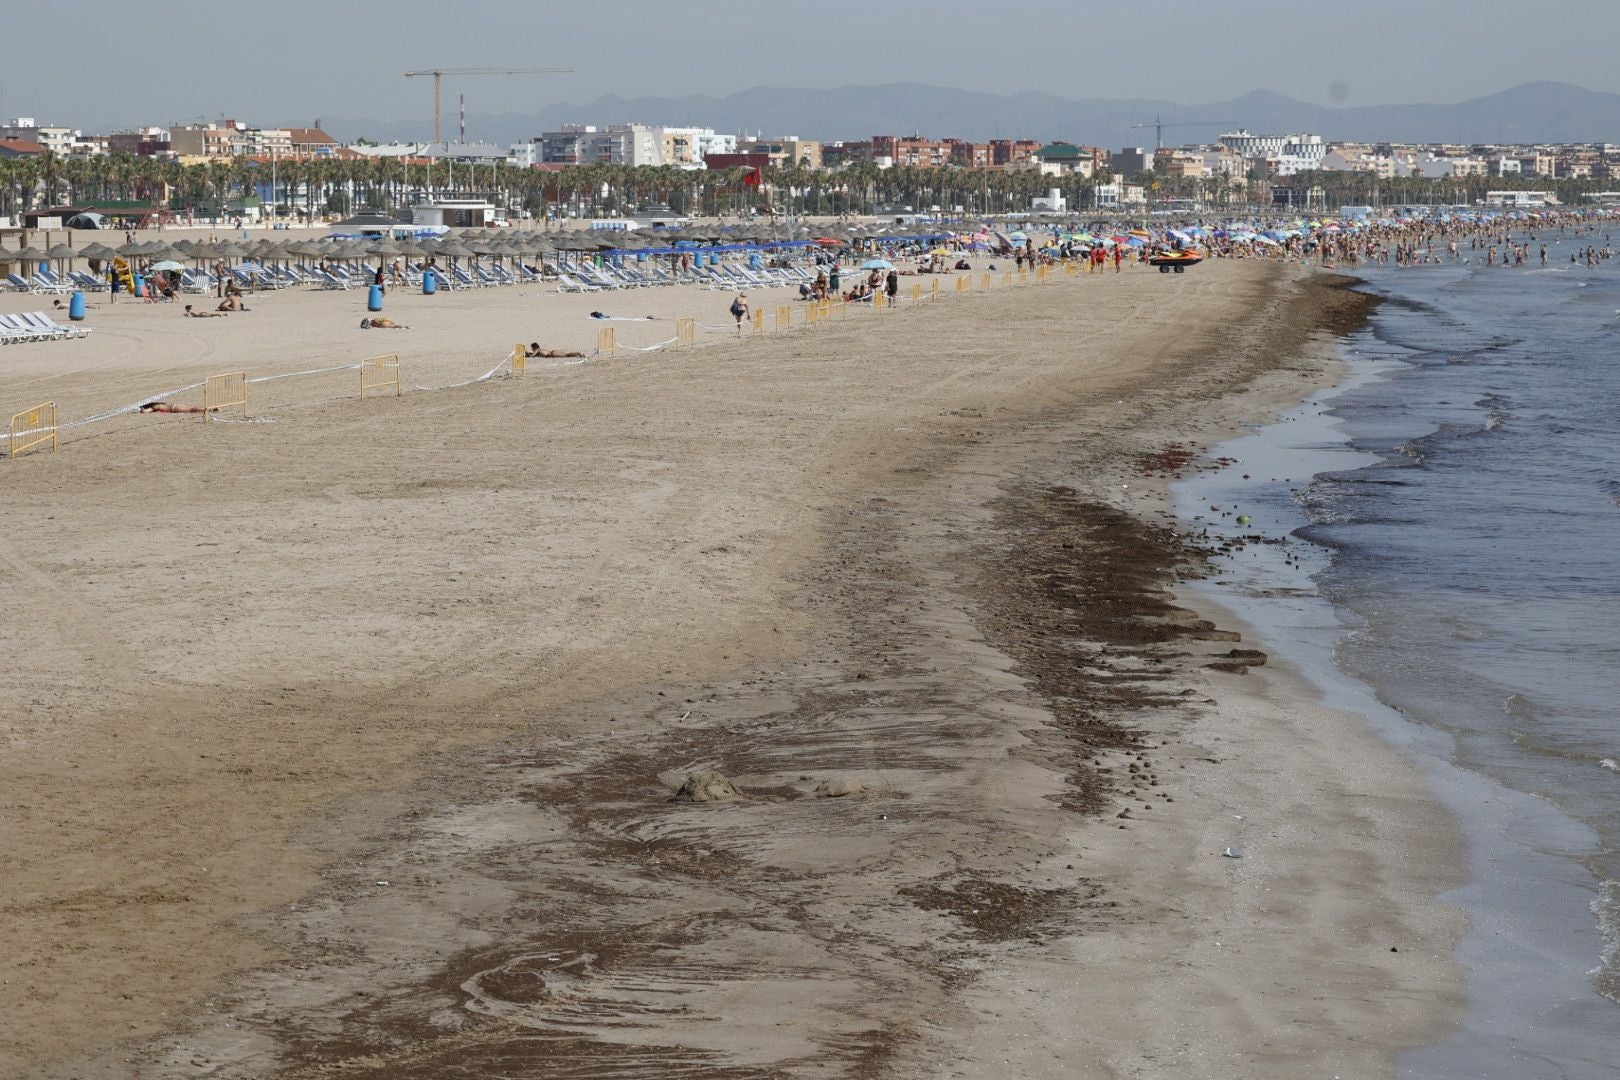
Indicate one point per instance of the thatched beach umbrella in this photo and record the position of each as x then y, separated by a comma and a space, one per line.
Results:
61, 253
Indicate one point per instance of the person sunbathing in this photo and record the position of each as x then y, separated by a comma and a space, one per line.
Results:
381, 323
193, 313
534, 350
232, 302
161, 406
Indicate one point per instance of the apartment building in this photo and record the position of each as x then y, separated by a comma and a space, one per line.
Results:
206, 140
787, 151
587, 144
57, 140
689, 147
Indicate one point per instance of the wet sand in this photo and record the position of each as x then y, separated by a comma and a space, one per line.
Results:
349, 741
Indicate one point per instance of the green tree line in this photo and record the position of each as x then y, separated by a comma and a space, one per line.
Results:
326, 186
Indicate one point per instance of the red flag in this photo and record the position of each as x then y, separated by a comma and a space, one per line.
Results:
752, 178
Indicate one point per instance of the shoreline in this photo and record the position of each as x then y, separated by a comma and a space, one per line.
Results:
539, 881
1513, 845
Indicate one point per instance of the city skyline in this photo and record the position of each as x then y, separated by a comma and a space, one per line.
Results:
310, 61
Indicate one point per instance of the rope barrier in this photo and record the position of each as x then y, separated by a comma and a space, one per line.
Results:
622, 347
490, 374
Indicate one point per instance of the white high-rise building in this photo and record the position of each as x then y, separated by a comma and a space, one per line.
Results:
587, 144
1291, 153
688, 146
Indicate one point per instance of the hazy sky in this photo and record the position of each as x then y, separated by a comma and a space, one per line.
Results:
100, 65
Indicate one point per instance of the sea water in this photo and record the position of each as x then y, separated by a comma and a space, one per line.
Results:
1445, 559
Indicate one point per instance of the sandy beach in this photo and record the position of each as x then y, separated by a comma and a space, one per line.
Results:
350, 739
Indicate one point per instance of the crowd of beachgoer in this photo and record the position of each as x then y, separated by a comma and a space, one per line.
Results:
1494, 241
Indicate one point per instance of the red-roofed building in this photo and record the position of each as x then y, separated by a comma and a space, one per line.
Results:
17, 148
311, 141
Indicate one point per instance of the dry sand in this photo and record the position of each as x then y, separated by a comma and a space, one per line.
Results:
347, 740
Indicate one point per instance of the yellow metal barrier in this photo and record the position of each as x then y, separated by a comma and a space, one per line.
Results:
1023, 277
1006, 277
520, 360
34, 427
759, 320
984, 282
379, 373
607, 342
784, 318
685, 331
878, 300
225, 391
916, 292
935, 294
962, 284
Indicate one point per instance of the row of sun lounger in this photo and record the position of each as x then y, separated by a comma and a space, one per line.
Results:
46, 281
570, 277
36, 326
586, 277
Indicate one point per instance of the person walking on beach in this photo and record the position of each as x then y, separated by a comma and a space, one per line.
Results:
739, 309
891, 285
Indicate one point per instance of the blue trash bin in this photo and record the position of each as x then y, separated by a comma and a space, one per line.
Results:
374, 299
430, 283
76, 307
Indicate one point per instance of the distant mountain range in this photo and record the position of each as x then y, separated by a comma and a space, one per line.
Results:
1534, 112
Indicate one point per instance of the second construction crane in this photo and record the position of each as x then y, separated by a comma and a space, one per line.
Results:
1159, 125
438, 85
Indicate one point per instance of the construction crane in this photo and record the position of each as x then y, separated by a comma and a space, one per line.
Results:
1159, 125
438, 84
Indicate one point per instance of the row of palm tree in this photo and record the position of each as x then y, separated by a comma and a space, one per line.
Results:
318, 187
338, 186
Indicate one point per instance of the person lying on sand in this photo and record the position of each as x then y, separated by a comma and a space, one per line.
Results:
534, 349
170, 407
192, 313
381, 323
622, 318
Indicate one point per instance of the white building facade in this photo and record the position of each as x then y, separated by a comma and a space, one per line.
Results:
587, 144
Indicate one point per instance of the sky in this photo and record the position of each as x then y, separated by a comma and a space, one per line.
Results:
101, 65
